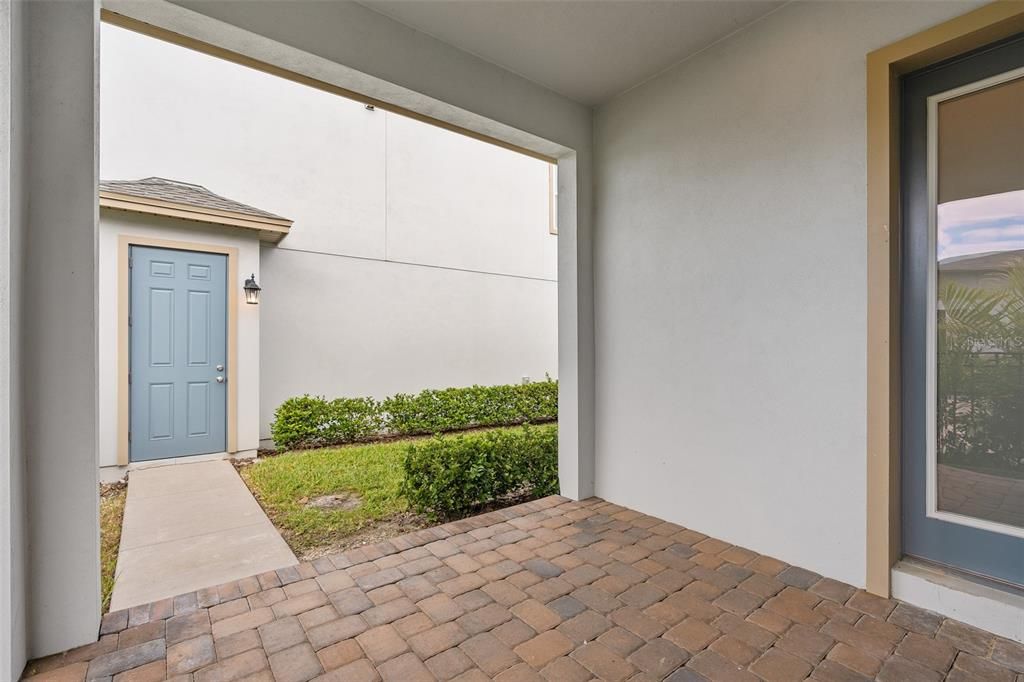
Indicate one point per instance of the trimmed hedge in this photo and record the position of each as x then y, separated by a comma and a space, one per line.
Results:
311, 421
452, 409
316, 422
449, 476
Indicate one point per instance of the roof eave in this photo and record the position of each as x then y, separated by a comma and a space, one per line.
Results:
268, 229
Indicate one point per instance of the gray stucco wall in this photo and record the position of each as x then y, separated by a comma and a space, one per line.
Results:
56, 326
49, 539
13, 537
48, 493
730, 285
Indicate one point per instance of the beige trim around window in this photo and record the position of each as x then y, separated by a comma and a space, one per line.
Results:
884, 67
124, 244
270, 229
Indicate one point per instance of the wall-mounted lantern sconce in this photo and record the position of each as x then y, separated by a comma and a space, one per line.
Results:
252, 290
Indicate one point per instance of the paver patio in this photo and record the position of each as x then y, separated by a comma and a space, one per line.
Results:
985, 496
548, 590
191, 525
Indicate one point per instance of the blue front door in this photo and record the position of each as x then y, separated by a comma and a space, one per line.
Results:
962, 328
178, 368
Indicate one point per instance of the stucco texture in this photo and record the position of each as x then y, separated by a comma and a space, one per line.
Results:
418, 258
730, 285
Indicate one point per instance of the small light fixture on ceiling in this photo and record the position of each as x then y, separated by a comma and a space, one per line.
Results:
370, 107
252, 290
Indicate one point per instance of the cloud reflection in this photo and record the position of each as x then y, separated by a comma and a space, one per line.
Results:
981, 225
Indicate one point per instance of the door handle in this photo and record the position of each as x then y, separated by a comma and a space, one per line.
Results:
220, 380
220, 368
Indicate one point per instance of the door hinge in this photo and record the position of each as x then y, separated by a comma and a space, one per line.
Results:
129, 436
129, 320
131, 263
129, 378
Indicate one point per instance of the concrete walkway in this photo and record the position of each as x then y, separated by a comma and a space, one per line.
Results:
189, 526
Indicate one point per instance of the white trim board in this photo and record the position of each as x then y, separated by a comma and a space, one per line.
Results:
1000, 612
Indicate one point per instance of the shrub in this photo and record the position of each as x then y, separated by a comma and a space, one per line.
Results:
311, 421
451, 409
448, 476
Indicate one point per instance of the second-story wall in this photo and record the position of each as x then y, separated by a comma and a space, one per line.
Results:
419, 257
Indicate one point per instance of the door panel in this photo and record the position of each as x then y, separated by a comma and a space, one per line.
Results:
161, 411
178, 343
198, 408
963, 313
198, 328
161, 338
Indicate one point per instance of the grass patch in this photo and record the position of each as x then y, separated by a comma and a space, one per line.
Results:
290, 486
286, 484
112, 498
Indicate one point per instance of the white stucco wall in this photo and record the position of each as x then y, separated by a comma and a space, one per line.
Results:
355, 327
730, 285
247, 375
455, 202
419, 258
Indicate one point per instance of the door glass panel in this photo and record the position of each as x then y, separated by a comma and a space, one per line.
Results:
978, 326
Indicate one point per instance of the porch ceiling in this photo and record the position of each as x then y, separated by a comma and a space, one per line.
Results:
586, 51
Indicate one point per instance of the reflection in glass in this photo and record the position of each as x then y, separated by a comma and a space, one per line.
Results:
980, 308
980, 353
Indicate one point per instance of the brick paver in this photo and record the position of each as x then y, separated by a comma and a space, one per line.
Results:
549, 590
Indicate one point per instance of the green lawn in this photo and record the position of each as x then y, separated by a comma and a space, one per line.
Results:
112, 500
284, 484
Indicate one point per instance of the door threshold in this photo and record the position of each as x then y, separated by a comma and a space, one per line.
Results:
985, 604
171, 461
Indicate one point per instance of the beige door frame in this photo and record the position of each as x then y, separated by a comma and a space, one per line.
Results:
124, 244
884, 67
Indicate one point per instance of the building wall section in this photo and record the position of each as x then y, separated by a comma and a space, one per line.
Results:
419, 258
113, 225
730, 285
